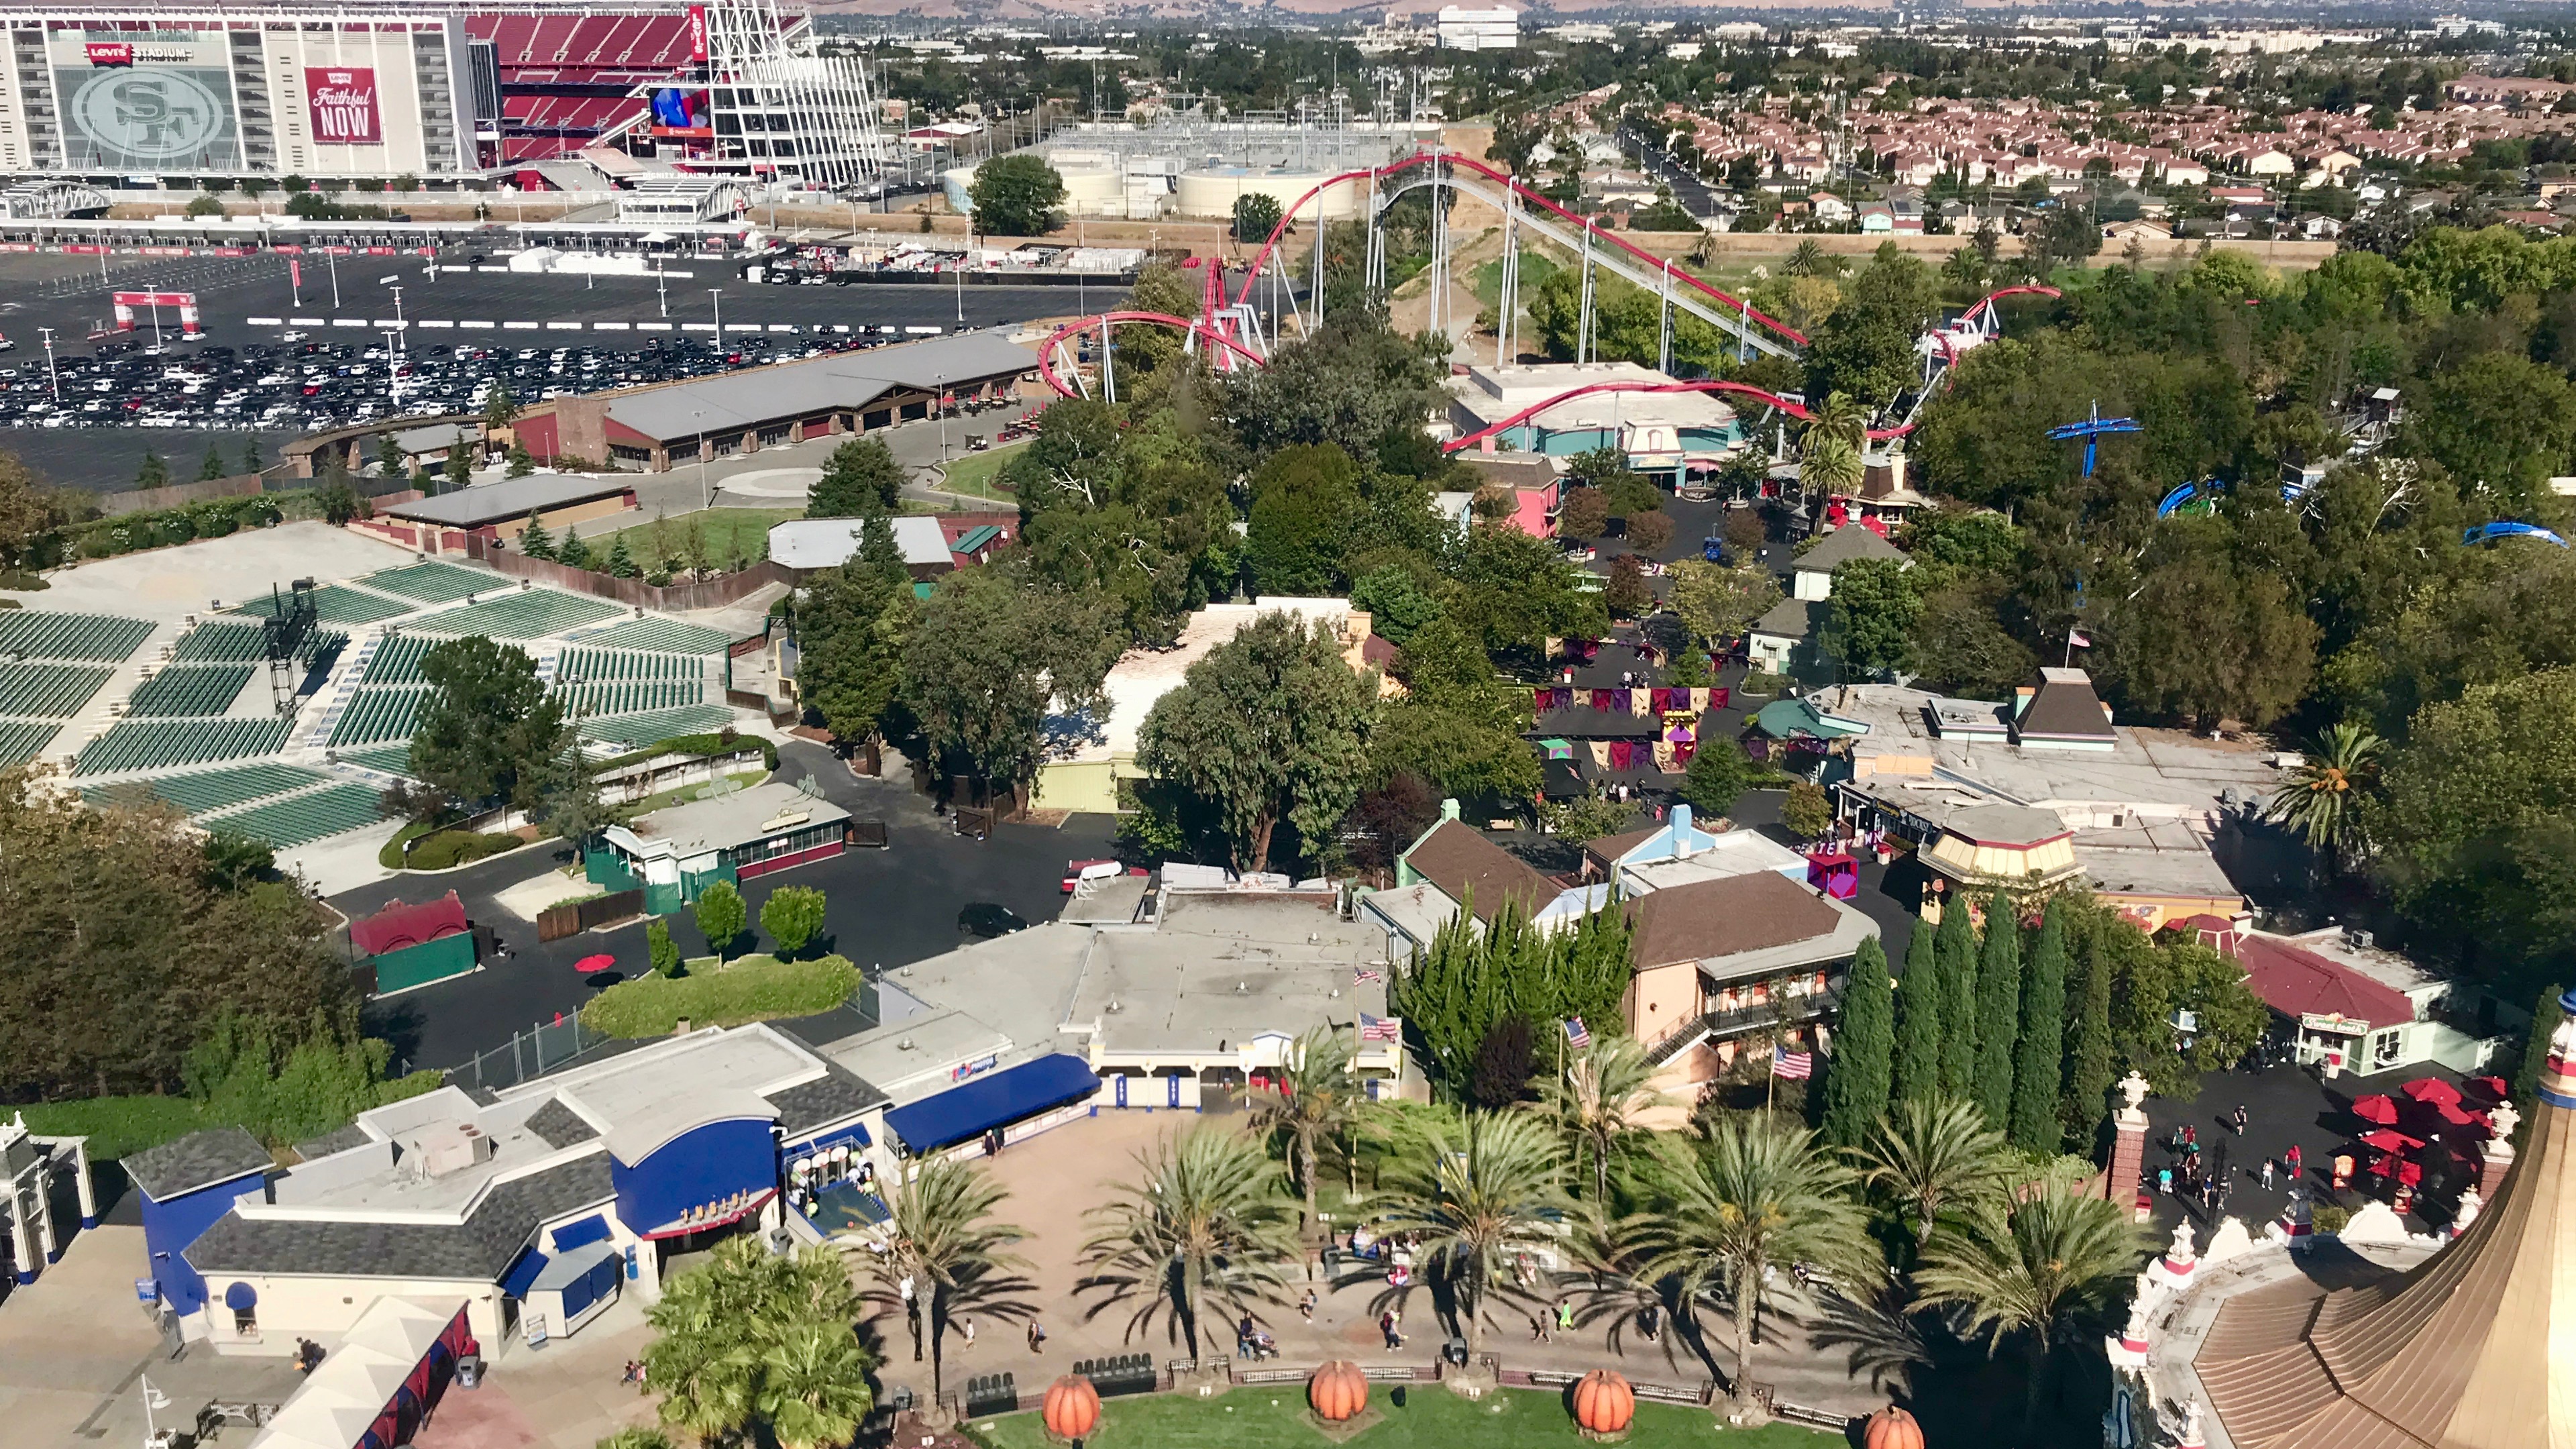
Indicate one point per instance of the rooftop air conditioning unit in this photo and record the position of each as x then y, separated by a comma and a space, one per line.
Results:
2360, 940
447, 1147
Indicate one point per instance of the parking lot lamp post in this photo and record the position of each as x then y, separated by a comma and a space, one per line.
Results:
706, 499
662, 289
52, 376
331, 254
718, 294
155, 295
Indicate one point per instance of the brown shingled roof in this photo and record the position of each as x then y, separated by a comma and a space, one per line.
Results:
1468, 867
1719, 918
2064, 707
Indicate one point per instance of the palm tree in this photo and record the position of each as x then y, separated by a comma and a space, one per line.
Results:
1314, 1100
1758, 1194
1494, 1187
1597, 1102
718, 1325
2027, 1266
1203, 1226
1932, 1155
814, 1386
2321, 799
637, 1436
1831, 454
944, 1247
1808, 259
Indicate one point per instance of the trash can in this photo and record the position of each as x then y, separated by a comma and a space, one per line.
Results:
469, 1371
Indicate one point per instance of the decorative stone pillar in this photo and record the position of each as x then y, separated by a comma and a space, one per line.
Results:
2129, 1140
2496, 1155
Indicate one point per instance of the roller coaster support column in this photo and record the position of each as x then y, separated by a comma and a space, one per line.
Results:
1664, 326
1439, 252
1583, 325
1508, 295
1108, 366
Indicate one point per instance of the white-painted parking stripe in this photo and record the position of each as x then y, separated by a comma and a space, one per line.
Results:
697, 327
479, 326
610, 327
436, 322
782, 326
261, 321
520, 326
491, 269
305, 321
563, 327
840, 326
652, 326
348, 321
390, 322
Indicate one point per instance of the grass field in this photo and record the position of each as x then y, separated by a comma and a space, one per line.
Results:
118, 1126
973, 473
750, 988
1274, 1417
731, 533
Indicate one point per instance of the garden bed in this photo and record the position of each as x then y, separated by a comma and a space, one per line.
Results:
752, 988
1275, 1417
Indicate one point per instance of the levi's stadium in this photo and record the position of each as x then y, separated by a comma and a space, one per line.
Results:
180, 95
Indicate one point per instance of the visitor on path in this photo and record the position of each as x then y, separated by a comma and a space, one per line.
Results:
634, 1374
1391, 1324
1538, 1328
2164, 1181
966, 1330
1037, 1336
1564, 1315
2290, 1160
1306, 1306
2267, 1174
2240, 1120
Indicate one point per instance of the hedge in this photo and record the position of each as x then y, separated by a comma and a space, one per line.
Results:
439, 849
700, 745
752, 988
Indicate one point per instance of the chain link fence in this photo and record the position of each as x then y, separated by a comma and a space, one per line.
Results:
530, 1054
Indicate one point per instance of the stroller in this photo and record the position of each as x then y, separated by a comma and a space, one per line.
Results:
1255, 1346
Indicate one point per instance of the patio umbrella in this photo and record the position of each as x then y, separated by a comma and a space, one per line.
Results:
589, 964
2455, 1117
2379, 1166
2431, 1090
2410, 1173
2390, 1141
2376, 1108
2491, 1088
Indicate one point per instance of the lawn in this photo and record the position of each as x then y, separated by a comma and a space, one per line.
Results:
1274, 1417
752, 988
974, 474
118, 1126
731, 533
1487, 282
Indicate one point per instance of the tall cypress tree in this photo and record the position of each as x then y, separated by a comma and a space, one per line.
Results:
1856, 1079
1917, 1068
2035, 1127
1956, 947
2088, 1047
1998, 1010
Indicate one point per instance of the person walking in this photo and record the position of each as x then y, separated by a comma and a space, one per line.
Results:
2290, 1160
2240, 1119
1306, 1306
1564, 1315
1037, 1336
2267, 1174
1391, 1324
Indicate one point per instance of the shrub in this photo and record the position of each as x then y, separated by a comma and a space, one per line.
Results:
440, 849
660, 949
722, 916
753, 988
793, 917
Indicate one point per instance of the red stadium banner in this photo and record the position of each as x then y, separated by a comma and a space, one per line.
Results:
109, 53
697, 32
342, 100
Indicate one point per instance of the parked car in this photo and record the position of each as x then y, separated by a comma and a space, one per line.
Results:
988, 920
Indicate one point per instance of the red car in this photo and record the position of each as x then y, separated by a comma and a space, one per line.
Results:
1076, 871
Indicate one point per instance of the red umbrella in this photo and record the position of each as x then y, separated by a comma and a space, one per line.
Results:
2388, 1141
2431, 1089
2410, 1173
2491, 1088
2379, 1165
2455, 1117
2376, 1108
588, 964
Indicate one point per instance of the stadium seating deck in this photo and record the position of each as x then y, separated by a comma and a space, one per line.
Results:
392, 759
189, 689
303, 819
433, 582
635, 731
667, 635
397, 659
48, 691
23, 740
597, 666
159, 744
103, 638
219, 643
208, 790
377, 714
633, 696
532, 614
338, 604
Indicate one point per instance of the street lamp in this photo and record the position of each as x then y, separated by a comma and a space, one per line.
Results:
718, 294
51, 374
706, 499
331, 254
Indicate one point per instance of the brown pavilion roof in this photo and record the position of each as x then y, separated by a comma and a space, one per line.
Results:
2454, 1354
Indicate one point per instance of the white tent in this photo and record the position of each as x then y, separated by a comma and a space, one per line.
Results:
340, 1400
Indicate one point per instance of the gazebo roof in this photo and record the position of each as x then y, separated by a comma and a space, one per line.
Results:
2454, 1354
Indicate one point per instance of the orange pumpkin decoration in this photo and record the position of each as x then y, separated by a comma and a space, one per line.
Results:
1603, 1403
1338, 1391
1891, 1428
1072, 1407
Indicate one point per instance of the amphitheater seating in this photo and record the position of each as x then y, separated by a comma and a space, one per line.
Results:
48, 691
23, 740
397, 659
668, 635
433, 582
208, 790
597, 666
303, 819
190, 689
337, 604
392, 759
377, 714
531, 614
215, 642
633, 696
635, 731
104, 638
160, 744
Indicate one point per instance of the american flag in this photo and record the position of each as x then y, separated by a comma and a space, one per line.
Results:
1577, 1035
1796, 1066
1367, 975
1381, 1028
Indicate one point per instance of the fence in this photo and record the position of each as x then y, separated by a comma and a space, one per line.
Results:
177, 495
530, 1054
733, 588
574, 917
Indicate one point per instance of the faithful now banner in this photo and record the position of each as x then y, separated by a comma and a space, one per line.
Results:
342, 101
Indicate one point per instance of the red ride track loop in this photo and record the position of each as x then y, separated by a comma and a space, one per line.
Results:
1195, 327
1745, 389
1425, 158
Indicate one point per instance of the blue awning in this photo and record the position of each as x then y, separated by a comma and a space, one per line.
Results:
241, 1296
586, 1230
514, 1284
985, 1103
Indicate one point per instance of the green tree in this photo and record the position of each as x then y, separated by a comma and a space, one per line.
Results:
1934, 1156
2037, 1053
620, 563
1998, 1009
1201, 1235
1870, 620
2546, 1014
851, 624
1016, 195
1474, 1198
1583, 514
1917, 1057
793, 917
1857, 1080
1718, 776
500, 409
2502, 423
521, 462
1305, 502
1599, 1101
1256, 216
534, 541
459, 469
1755, 1196
1717, 602
1452, 995
1955, 944
1313, 1098
2322, 799
751, 1338
945, 1255
814, 1385
1457, 725
1352, 385
339, 502
721, 915
2026, 1267
1807, 813
2088, 1047
213, 467
860, 479
1270, 727
1627, 593
990, 658
488, 729
154, 473
2209, 639
1395, 602
251, 462
659, 949
1866, 348
390, 462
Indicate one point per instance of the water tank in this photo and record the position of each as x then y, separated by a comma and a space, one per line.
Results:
1210, 191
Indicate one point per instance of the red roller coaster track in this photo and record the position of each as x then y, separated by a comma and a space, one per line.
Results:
1197, 327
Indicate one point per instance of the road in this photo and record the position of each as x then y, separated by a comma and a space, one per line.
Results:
1696, 196
887, 907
